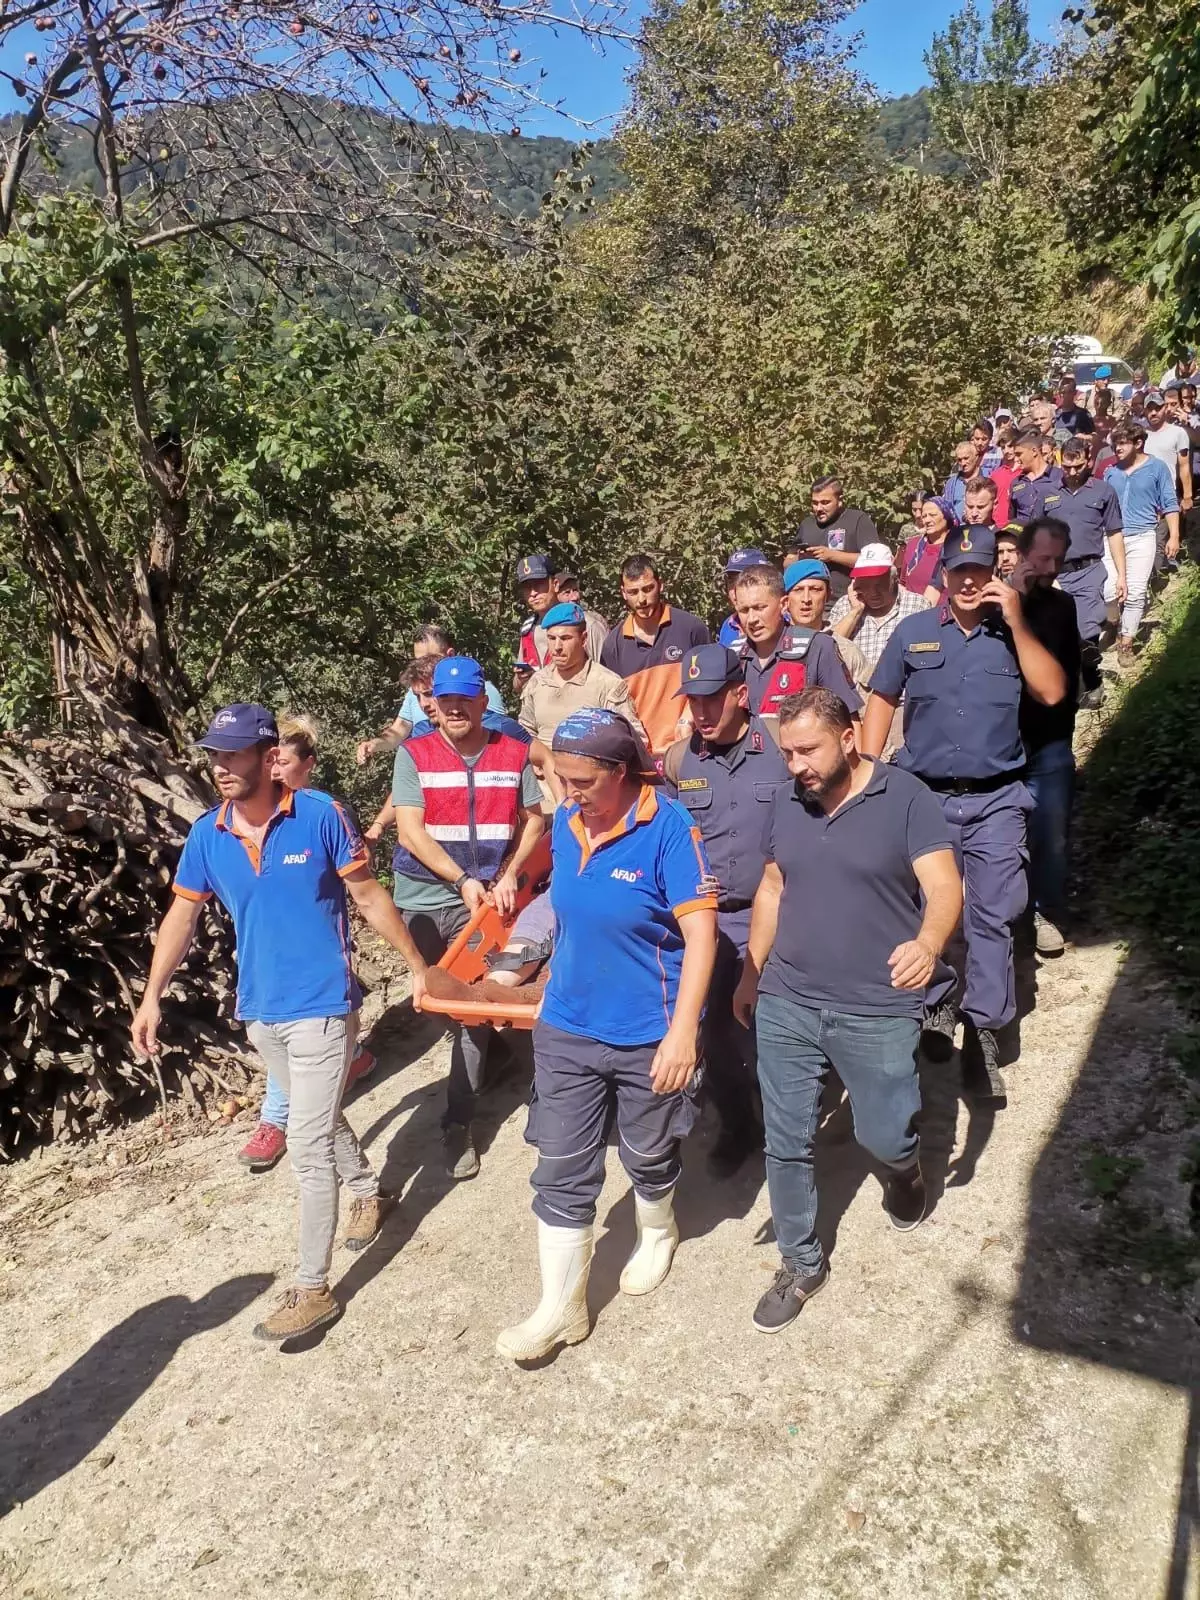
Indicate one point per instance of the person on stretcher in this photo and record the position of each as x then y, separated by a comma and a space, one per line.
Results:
518, 971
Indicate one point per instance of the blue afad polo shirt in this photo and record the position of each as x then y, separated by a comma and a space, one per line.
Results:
287, 901
850, 893
618, 951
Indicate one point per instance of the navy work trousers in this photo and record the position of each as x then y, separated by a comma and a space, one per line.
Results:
876, 1059
1050, 779
729, 1049
580, 1087
989, 836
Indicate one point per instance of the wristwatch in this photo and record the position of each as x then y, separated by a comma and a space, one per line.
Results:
459, 881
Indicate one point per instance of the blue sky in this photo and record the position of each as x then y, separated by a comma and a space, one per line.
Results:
591, 82
895, 35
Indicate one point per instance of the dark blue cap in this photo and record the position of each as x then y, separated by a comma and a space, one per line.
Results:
970, 547
567, 614
708, 668
797, 571
458, 675
743, 560
239, 726
603, 735
532, 569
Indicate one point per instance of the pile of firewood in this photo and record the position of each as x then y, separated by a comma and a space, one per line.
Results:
90, 832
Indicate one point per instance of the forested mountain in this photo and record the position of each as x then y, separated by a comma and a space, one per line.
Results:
516, 171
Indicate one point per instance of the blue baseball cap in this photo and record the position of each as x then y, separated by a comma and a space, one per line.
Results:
708, 668
743, 560
532, 569
1104, 372
970, 547
458, 675
567, 614
239, 726
797, 571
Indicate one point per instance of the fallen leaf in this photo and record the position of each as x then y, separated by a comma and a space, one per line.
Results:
206, 1558
659, 1568
101, 1463
855, 1520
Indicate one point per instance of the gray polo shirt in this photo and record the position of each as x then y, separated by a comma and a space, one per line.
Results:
850, 894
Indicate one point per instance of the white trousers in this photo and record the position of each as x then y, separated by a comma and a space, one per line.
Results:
1140, 545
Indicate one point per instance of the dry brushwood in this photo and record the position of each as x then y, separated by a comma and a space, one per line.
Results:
90, 831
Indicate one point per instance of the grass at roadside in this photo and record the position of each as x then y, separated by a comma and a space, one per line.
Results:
1139, 823
1139, 855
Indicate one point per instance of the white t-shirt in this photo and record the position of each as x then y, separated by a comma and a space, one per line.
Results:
1167, 444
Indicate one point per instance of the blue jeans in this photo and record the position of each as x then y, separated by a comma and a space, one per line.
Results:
275, 1104
876, 1059
1050, 779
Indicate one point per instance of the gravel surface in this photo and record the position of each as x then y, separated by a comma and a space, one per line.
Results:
987, 1407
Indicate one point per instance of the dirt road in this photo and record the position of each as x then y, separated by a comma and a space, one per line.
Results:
985, 1408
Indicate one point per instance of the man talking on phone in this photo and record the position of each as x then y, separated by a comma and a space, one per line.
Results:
961, 669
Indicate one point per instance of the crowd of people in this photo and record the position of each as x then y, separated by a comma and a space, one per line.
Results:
806, 843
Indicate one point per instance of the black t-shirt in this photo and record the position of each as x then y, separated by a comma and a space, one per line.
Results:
1052, 620
850, 894
1078, 420
850, 530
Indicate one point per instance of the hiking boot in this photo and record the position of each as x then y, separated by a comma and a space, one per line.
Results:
904, 1199
458, 1151
937, 1031
264, 1147
1125, 656
982, 1077
733, 1147
1047, 939
362, 1066
299, 1312
1092, 699
787, 1297
366, 1220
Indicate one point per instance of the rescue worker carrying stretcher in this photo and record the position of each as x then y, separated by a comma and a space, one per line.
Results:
635, 936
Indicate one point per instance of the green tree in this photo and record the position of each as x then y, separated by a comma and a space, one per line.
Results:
982, 75
1140, 103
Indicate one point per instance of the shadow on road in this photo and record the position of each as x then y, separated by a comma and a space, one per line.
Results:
49, 1434
1112, 1242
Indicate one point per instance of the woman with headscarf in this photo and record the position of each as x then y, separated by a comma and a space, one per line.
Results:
921, 558
634, 943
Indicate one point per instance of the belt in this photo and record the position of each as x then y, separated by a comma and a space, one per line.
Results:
734, 905
1078, 564
972, 785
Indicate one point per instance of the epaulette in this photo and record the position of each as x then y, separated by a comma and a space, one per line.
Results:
794, 645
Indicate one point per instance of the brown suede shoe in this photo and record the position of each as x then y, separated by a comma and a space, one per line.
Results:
521, 994
443, 985
300, 1311
366, 1220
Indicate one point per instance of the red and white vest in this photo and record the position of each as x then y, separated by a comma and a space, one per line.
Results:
470, 810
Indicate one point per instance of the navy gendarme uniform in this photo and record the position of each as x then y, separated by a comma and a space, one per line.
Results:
1036, 497
962, 698
1092, 512
801, 660
728, 791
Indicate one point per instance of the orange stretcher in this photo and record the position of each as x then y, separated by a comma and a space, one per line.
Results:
466, 958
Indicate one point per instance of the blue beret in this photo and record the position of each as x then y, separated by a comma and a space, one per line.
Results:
797, 571
569, 614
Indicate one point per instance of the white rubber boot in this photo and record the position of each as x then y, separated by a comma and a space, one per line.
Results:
657, 1237
565, 1255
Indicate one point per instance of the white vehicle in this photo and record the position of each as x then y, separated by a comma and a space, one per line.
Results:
1089, 355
